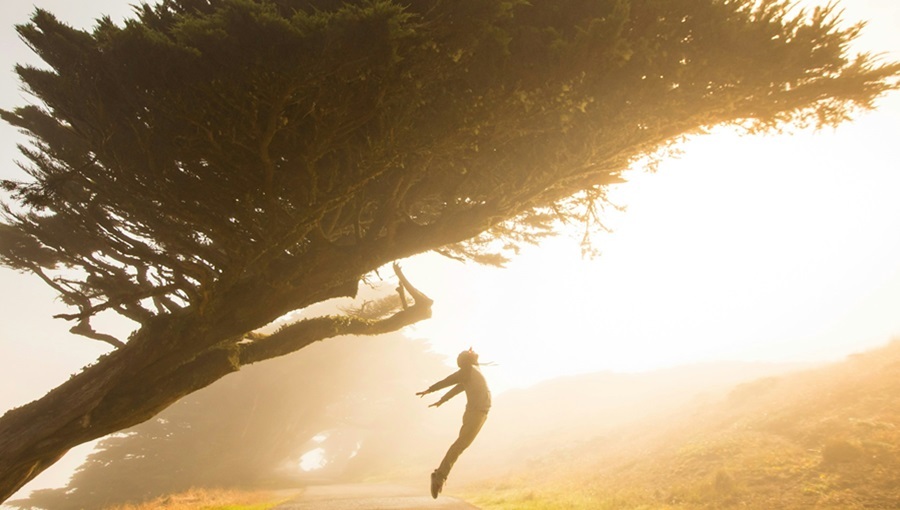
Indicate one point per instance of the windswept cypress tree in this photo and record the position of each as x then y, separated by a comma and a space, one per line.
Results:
214, 164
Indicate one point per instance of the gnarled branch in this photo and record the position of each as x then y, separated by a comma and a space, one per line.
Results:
300, 334
83, 328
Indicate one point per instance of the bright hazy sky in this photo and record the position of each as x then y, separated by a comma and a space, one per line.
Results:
768, 248
779, 248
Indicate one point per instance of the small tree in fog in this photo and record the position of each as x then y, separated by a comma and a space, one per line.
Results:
214, 164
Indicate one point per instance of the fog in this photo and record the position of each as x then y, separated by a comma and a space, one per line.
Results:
345, 411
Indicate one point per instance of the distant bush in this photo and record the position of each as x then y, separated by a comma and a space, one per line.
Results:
752, 390
839, 451
724, 484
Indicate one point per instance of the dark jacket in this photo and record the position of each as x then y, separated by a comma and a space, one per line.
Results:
469, 379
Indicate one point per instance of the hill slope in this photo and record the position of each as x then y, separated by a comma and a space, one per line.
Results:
824, 438
526, 424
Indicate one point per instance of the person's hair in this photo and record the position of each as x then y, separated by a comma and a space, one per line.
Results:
469, 357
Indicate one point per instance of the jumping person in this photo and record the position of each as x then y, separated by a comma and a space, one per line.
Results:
478, 402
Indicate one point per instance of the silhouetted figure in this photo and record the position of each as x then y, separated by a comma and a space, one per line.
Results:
478, 402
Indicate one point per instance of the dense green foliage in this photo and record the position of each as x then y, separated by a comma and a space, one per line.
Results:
214, 164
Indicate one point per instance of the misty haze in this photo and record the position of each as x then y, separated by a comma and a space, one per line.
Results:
411, 254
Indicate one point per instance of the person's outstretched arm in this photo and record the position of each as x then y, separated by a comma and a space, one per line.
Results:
453, 379
454, 391
450, 380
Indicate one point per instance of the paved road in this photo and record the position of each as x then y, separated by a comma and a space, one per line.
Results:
370, 497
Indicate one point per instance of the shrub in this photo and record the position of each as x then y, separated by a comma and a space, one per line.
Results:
839, 451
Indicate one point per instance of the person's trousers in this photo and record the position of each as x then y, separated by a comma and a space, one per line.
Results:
471, 425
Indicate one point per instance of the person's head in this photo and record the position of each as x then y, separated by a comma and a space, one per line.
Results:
467, 358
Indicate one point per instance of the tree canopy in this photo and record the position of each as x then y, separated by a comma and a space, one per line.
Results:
212, 165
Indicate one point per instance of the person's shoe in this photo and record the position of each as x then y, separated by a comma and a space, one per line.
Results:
437, 484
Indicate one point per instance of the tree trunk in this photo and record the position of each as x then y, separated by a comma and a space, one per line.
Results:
121, 390
169, 357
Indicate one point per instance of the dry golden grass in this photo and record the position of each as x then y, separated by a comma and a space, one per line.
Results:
209, 499
827, 438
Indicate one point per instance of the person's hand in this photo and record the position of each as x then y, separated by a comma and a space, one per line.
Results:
421, 394
436, 404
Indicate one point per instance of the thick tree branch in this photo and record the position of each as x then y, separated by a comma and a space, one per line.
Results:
83, 328
418, 297
303, 333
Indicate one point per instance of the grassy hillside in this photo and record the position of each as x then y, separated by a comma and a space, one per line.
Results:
525, 424
824, 438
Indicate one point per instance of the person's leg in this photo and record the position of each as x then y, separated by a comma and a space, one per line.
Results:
472, 423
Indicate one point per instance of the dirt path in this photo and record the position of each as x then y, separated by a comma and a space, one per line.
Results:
370, 497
